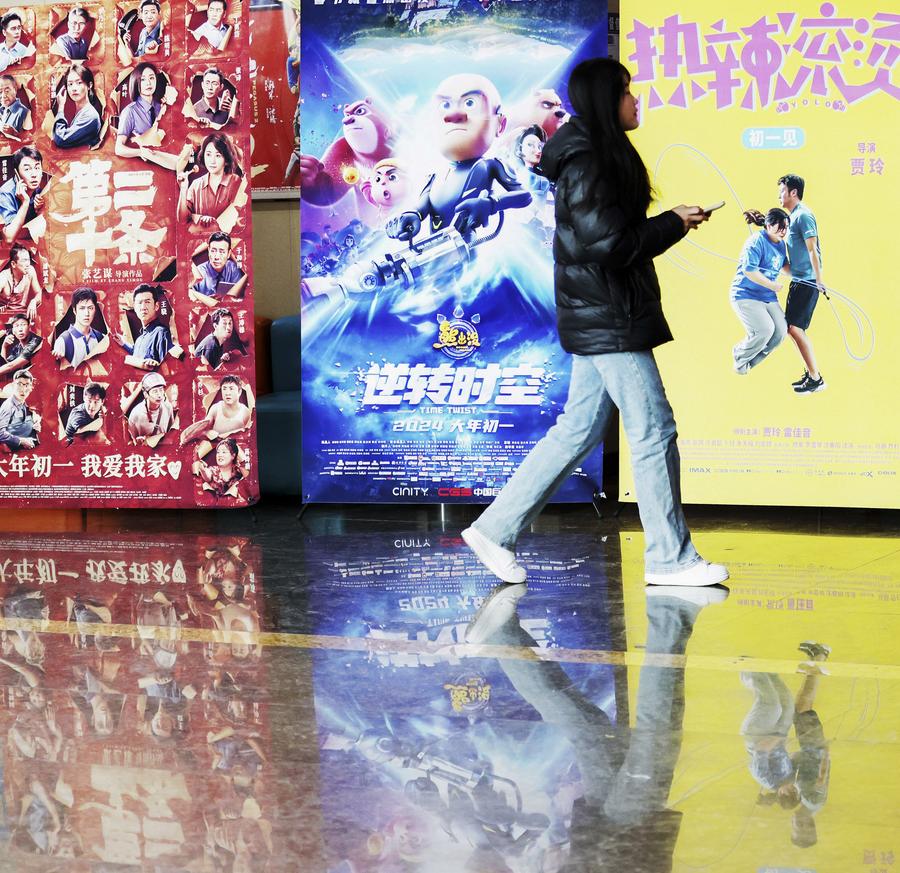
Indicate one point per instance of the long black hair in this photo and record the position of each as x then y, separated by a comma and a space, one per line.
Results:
596, 88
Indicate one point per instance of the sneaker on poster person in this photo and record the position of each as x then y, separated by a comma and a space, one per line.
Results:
811, 386
815, 651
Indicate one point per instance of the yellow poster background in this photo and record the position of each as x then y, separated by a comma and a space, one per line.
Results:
750, 439
785, 588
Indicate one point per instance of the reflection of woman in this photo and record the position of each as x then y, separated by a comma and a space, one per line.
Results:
84, 128
222, 477
222, 579
207, 197
20, 291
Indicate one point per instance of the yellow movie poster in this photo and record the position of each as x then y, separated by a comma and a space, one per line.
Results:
782, 118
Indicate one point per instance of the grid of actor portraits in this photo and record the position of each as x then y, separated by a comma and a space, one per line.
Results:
126, 321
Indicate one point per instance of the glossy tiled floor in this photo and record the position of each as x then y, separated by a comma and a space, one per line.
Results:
249, 693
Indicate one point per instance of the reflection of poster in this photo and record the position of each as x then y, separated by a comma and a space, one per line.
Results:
275, 97
134, 705
805, 93
786, 588
434, 751
430, 357
126, 315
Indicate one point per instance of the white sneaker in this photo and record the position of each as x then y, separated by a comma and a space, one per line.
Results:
495, 612
702, 596
698, 574
501, 562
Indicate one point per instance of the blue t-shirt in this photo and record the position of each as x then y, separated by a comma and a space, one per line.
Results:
803, 226
762, 255
9, 203
153, 342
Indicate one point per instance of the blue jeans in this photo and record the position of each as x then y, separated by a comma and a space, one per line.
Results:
628, 784
631, 382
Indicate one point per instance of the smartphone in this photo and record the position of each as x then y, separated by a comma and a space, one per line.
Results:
714, 207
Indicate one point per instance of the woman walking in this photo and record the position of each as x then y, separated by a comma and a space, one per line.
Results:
610, 318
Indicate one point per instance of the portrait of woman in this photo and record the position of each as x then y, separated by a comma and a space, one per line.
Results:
210, 201
222, 473
78, 110
137, 136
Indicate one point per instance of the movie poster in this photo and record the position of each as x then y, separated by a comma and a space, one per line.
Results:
134, 705
126, 317
785, 332
275, 98
434, 753
431, 363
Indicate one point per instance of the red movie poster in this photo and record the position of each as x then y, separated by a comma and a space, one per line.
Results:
134, 704
275, 97
126, 293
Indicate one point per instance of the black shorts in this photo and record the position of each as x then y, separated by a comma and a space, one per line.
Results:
809, 730
801, 303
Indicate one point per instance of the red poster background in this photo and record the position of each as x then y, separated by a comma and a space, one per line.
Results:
273, 46
151, 746
111, 222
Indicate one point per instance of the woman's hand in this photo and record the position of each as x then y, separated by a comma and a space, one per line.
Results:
692, 216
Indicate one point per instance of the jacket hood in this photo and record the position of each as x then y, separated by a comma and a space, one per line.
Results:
571, 139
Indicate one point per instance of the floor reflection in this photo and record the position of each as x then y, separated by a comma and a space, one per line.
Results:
437, 760
129, 743
337, 699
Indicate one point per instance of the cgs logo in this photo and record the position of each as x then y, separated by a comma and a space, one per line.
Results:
455, 492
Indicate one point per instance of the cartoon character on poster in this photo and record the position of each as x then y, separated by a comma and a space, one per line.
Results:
426, 223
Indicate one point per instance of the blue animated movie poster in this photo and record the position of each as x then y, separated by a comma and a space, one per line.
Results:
431, 363
440, 756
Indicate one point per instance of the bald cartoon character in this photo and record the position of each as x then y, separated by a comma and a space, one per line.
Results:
466, 121
543, 108
365, 139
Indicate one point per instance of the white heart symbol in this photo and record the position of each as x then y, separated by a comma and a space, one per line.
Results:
174, 468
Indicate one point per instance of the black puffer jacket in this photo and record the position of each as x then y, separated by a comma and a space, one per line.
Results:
607, 293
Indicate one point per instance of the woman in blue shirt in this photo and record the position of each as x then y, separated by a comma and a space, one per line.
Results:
84, 128
753, 291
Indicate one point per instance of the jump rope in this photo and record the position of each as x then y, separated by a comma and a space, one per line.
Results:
865, 331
